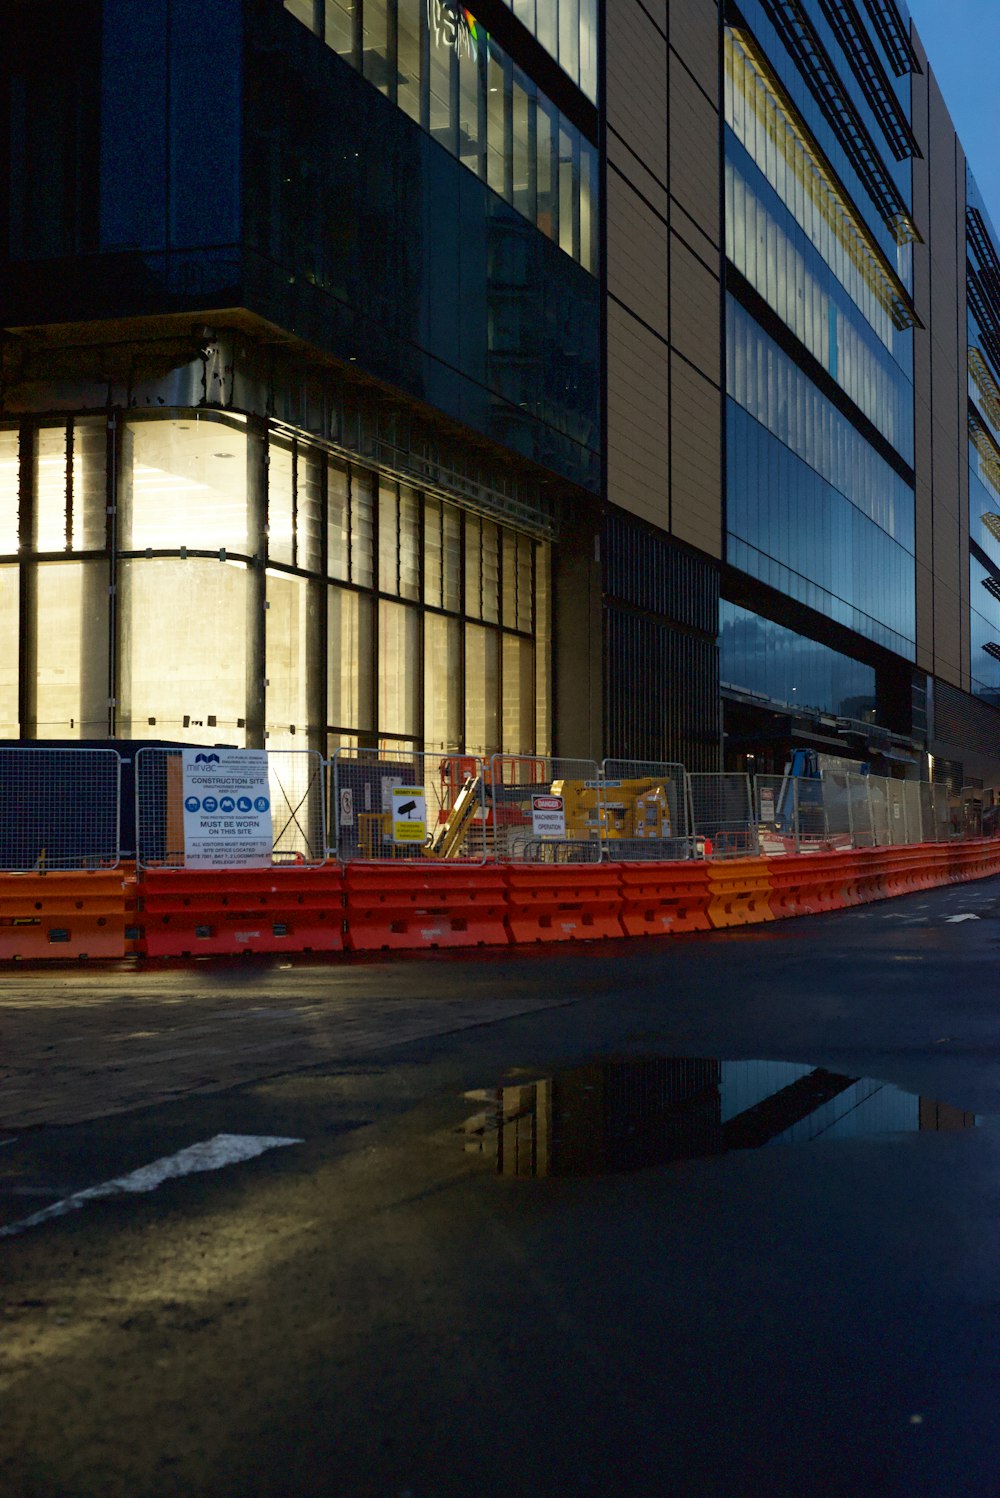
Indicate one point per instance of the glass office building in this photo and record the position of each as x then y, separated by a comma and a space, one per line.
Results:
543, 375
820, 503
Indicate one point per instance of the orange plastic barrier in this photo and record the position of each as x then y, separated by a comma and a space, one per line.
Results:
812, 883
62, 915
660, 898
218, 912
424, 905
740, 891
973, 859
563, 902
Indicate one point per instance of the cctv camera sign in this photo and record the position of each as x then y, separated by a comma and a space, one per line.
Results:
227, 809
409, 814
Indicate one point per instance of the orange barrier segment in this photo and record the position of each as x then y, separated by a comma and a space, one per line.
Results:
413, 905
812, 884
62, 915
563, 902
219, 912
740, 891
661, 898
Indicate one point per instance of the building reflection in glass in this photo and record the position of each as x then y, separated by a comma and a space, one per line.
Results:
611, 1116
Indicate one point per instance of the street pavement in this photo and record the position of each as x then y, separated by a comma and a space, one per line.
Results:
488, 1228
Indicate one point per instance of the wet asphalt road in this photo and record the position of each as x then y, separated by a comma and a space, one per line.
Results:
375, 1310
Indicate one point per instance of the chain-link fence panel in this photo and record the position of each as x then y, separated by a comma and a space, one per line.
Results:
59, 809
724, 820
255, 817
398, 805
930, 832
534, 802
646, 812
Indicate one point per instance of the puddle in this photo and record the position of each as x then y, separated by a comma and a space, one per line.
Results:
610, 1116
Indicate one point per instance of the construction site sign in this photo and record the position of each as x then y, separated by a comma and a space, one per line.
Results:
548, 816
409, 814
227, 809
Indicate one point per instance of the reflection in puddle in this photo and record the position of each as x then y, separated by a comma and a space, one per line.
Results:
611, 1116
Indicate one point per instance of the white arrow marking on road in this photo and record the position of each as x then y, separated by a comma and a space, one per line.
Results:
951, 919
210, 1154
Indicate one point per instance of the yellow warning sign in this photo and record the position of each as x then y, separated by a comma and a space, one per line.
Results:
409, 814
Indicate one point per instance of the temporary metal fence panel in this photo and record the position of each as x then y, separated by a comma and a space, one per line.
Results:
59, 809
896, 811
860, 810
297, 786
724, 820
646, 811
545, 810
777, 802
881, 814
911, 807
838, 810
391, 806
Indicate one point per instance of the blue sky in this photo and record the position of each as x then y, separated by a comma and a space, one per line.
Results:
961, 41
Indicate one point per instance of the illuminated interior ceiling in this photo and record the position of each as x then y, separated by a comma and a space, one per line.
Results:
851, 227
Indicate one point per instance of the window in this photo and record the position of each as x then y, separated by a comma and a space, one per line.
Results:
185, 485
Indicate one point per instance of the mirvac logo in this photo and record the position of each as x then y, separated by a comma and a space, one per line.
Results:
454, 27
206, 759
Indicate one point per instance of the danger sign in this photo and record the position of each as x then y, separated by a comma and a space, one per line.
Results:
548, 816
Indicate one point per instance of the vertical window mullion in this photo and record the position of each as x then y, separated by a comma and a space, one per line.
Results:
70, 436
295, 504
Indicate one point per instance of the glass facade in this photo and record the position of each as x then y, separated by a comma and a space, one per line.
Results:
761, 657
437, 63
254, 587
803, 90
818, 508
984, 447
812, 509
567, 29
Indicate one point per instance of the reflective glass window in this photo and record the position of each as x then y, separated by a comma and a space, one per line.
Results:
171, 684
185, 485
338, 529
280, 502
442, 682
9, 487
339, 17
10, 633
388, 537
362, 528
482, 684
436, 61
88, 488
291, 656
375, 43
410, 16
50, 488
518, 695
72, 649
409, 543
350, 660
399, 686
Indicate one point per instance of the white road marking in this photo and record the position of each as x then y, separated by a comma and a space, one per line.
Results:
210, 1154
950, 920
